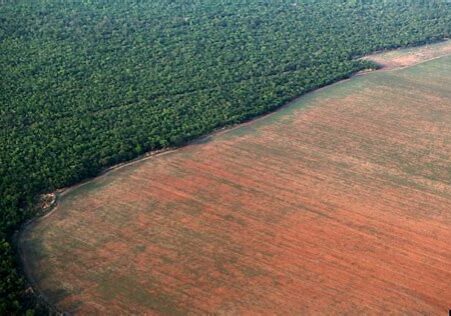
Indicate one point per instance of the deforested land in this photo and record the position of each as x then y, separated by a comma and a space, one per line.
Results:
338, 203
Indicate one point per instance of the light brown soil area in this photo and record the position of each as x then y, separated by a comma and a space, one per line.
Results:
411, 56
338, 204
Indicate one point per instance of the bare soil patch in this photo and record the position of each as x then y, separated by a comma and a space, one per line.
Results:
406, 57
339, 203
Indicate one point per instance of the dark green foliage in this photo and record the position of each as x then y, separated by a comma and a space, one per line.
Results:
10, 284
87, 84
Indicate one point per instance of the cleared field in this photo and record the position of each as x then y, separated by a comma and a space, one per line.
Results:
340, 203
411, 56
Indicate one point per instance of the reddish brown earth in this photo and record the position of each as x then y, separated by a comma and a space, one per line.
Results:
338, 204
411, 56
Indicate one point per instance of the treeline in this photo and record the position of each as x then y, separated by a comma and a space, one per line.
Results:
88, 84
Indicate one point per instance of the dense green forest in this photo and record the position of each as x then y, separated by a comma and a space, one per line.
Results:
87, 84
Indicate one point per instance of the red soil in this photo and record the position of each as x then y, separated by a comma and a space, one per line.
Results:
340, 207
411, 56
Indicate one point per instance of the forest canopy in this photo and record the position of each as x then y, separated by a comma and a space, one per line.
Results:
88, 84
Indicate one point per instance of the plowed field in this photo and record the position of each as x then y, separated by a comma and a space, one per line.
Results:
339, 203
409, 56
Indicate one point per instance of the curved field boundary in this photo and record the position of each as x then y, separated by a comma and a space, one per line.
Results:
336, 146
